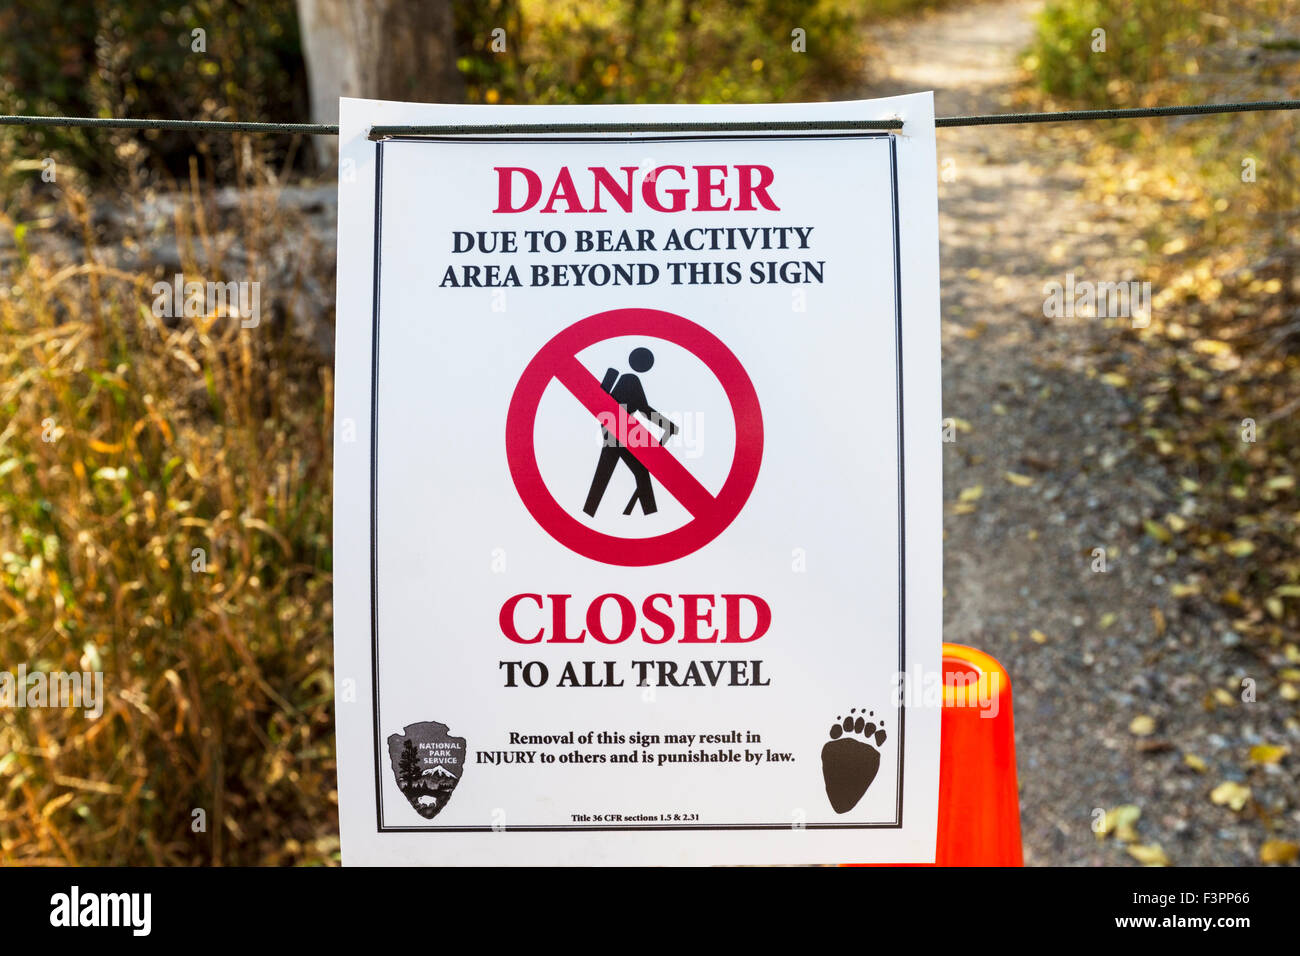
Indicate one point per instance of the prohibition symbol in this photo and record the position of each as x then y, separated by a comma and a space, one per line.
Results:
710, 515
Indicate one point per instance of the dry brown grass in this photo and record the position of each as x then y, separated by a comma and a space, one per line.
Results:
167, 435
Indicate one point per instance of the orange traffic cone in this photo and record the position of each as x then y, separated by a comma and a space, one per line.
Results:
979, 805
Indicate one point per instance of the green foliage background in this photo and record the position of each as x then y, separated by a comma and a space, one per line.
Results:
1145, 41
671, 51
106, 58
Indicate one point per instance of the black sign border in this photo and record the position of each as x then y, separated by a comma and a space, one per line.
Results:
897, 822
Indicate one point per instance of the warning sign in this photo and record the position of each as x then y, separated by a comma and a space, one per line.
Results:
637, 486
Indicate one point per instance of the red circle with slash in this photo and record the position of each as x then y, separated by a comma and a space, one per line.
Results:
711, 514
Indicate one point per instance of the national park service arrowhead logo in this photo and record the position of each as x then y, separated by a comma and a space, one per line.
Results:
427, 762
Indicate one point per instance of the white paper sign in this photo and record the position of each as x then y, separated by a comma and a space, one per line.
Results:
637, 486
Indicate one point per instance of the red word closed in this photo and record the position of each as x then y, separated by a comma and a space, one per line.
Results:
614, 618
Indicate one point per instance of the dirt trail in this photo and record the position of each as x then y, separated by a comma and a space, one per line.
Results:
1012, 218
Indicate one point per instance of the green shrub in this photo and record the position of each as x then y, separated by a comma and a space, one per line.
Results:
672, 51
1144, 42
138, 59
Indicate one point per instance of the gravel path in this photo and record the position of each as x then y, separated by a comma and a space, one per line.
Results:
1087, 651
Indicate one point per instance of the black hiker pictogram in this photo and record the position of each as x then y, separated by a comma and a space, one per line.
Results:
627, 391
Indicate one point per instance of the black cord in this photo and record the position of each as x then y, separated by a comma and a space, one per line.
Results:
378, 132
1065, 116
217, 126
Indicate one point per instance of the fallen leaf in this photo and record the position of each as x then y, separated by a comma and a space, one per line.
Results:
1120, 822
1106, 620
1037, 636
1279, 851
1239, 548
1212, 347
1151, 854
1020, 481
1157, 531
1268, 753
1143, 725
1158, 618
971, 494
1231, 794
1195, 762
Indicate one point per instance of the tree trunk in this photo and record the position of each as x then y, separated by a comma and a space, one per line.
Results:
381, 49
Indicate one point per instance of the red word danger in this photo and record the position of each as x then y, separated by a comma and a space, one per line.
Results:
663, 189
